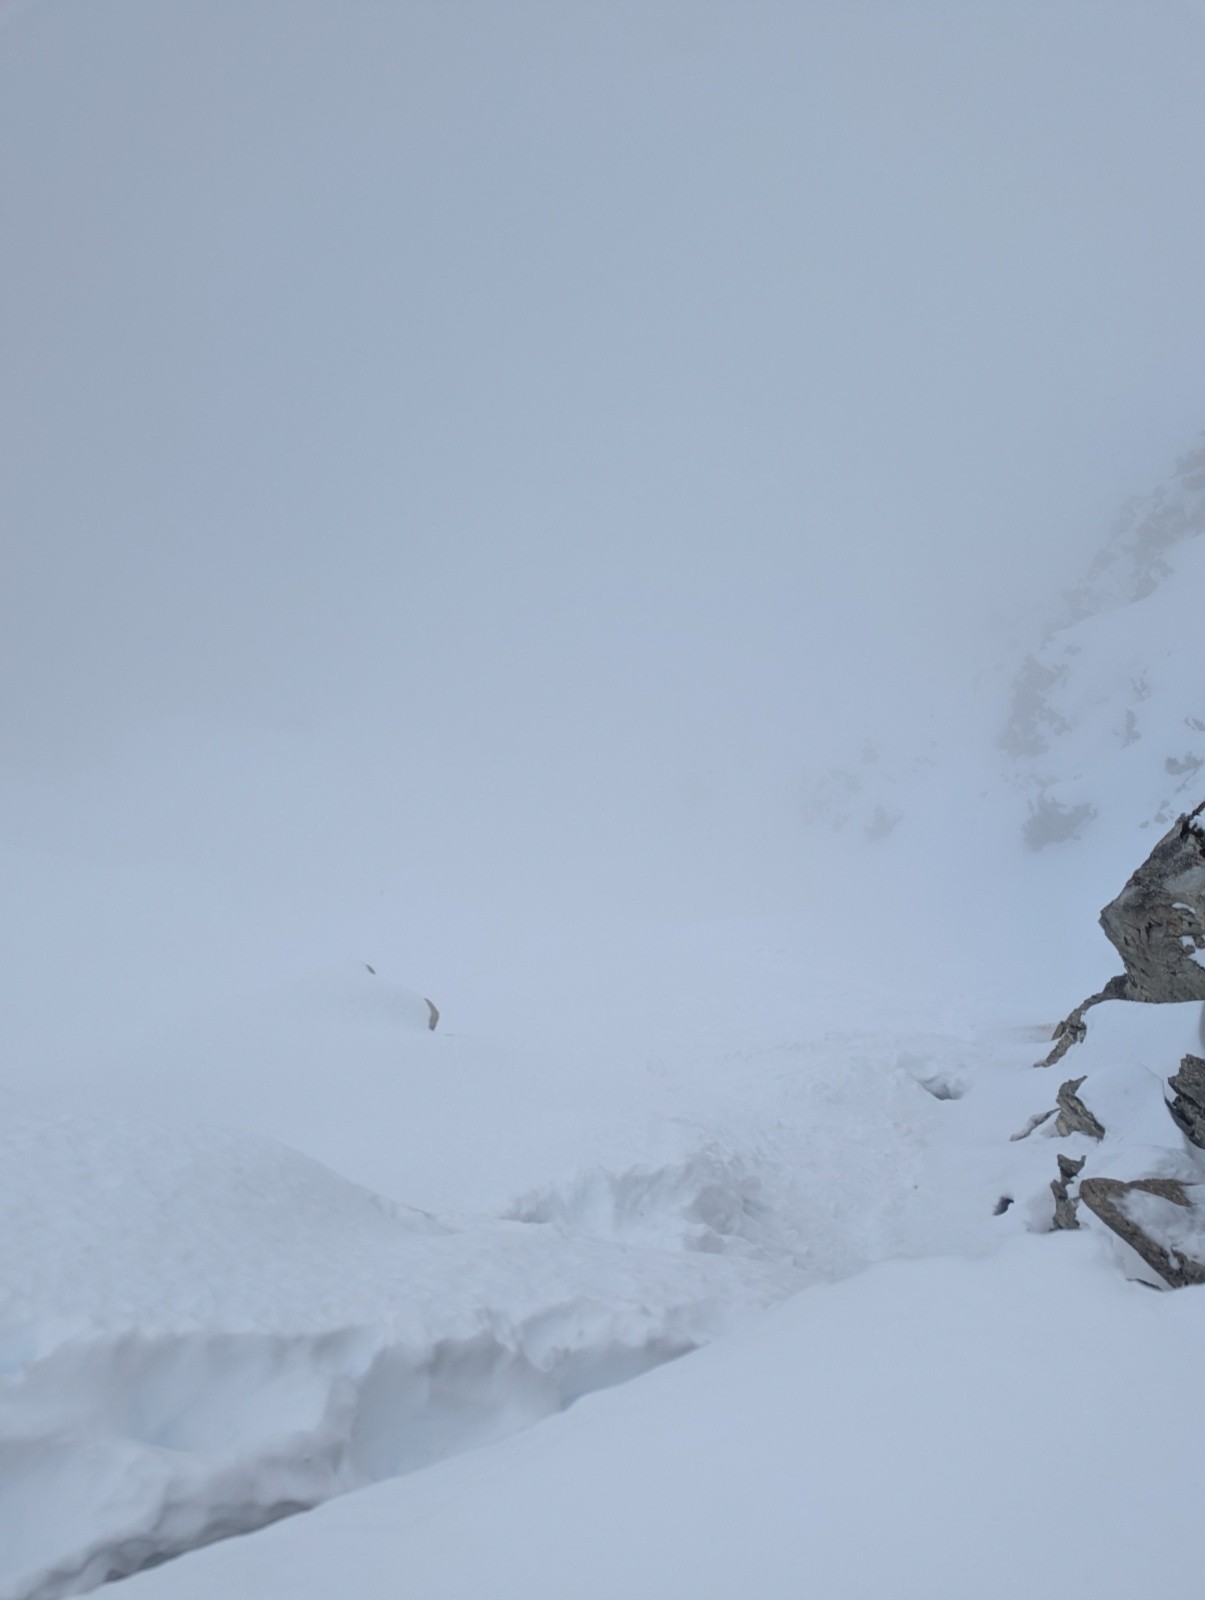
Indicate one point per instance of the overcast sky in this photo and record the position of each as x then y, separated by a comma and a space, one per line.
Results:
441, 431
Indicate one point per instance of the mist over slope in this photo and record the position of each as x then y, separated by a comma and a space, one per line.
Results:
561, 509
461, 457
628, 1138
1096, 728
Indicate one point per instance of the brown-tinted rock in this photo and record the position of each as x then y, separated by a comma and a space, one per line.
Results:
1106, 1198
1073, 1114
1188, 1107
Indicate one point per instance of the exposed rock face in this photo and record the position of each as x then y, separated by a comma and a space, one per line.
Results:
1157, 925
1157, 922
1154, 1232
1073, 1114
1188, 1108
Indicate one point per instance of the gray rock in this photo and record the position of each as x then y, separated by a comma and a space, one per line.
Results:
1064, 1204
1188, 1107
1073, 1114
1157, 925
1036, 1121
1107, 1197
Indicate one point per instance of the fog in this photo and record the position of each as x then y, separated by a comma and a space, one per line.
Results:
491, 451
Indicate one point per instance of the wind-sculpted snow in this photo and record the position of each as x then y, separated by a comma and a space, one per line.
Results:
123, 1451
204, 1333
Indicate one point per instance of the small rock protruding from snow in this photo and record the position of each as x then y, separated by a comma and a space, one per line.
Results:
1188, 1108
1074, 1116
1064, 1203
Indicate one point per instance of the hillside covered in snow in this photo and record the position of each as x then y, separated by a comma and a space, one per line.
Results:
1098, 728
570, 709
644, 1140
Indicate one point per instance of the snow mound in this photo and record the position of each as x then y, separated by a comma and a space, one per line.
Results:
201, 1333
709, 1201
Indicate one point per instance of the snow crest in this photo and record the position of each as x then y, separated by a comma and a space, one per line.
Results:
207, 1380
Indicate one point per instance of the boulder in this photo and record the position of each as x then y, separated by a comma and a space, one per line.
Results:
1158, 1233
1188, 1107
1073, 1114
1157, 926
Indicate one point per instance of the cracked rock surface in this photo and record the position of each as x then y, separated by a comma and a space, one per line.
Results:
1159, 1218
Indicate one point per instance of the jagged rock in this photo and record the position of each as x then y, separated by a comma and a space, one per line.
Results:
1064, 1205
1157, 925
1036, 1121
1106, 1198
1188, 1107
1074, 1116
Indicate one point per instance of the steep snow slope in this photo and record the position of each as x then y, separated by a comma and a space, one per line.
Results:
1100, 729
1107, 719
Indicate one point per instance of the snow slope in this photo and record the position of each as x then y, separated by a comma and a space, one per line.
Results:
203, 1332
931, 1431
207, 1331
1097, 731
268, 1240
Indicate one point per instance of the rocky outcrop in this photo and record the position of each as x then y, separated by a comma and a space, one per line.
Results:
1157, 926
1073, 1114
1146, 1231
1188, 1107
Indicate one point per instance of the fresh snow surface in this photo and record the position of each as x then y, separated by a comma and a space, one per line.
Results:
206, 1330
940, 1430
269, 1242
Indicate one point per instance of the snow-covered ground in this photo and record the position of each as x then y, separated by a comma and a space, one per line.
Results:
1005, 1428
273, 1243
669, 1129
205, 1329
469, 472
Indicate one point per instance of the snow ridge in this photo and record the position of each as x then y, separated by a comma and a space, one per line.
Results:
210, 1380
180, 1440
